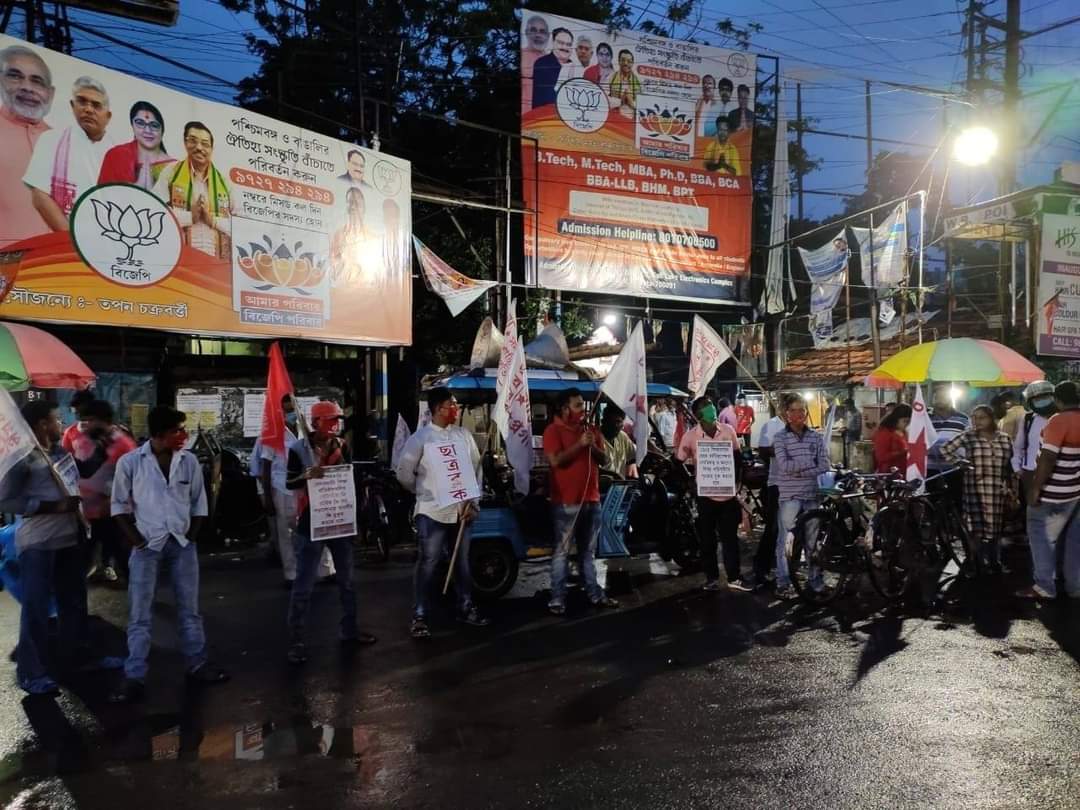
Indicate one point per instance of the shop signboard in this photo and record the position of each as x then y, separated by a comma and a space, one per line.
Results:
640, 167
1059, 287
130, 204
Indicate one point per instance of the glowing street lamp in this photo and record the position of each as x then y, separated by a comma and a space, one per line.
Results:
609, 319
975, 146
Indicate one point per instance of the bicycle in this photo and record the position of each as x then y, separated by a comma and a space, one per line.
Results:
375, 528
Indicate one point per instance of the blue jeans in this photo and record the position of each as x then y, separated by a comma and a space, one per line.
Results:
181, 563
44, 573
790, 509
1047, 524
583, 524
309, 557
436, 541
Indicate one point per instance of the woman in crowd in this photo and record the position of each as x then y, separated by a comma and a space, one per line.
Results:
987, 484
890, 440
140, 161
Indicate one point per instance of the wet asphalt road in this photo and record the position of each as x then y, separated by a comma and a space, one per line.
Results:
680, 699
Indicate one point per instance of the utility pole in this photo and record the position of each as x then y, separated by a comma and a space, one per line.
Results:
869, 136
798, 140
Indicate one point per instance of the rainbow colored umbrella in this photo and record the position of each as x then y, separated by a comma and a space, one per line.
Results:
981, 363
32, 358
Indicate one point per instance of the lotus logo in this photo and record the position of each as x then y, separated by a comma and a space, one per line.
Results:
582, 105
669, 123
126, 225
281, 266
137, 220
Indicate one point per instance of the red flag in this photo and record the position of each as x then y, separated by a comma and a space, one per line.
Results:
278, 385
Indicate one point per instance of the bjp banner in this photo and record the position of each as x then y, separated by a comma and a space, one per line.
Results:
125, 203
638, 161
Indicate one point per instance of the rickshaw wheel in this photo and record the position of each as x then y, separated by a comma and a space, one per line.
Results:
494, 568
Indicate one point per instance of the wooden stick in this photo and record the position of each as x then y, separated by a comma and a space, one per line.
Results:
453, 557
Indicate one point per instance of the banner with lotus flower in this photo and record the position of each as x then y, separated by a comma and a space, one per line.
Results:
130, 204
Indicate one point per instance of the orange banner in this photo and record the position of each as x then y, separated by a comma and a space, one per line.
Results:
641, 175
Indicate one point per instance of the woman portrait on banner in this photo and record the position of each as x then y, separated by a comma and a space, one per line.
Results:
890, 441
140, 161
604, 69
353, 256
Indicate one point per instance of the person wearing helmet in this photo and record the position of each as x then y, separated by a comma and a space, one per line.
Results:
307, 458
1027, 438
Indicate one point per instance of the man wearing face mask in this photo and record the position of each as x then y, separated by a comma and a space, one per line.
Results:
1027, 440
279, 503
97, 450
437, 527
307, 457
620, 449
717, 516
159, 503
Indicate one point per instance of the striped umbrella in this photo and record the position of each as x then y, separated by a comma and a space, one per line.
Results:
981, 363
32, 358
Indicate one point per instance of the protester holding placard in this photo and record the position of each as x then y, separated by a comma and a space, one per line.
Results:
442, 505
712, 448
159, 504
307, 459
575, 453
51, 560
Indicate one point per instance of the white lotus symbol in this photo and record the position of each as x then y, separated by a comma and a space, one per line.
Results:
128, 226
583, 99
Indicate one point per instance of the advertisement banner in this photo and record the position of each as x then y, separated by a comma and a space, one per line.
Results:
890, 250
827, 267
641, 172
1059, 287
129, 204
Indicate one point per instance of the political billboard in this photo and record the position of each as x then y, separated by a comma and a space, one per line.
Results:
1059, 287
130, 204
640, 167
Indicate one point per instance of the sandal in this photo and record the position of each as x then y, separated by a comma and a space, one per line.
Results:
208, 674
419, 628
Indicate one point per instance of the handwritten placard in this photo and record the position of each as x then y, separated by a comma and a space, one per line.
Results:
715, 469
69, 474
333, 503
455, 478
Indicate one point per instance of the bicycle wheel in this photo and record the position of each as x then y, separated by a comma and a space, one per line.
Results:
954, 537
889, 529
820, 559
380, 528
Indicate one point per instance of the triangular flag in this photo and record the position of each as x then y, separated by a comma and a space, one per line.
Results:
16, 439
707, 353
506, 360
401, 435
456, 289
921, 437
514, 409
278, 385
626, 386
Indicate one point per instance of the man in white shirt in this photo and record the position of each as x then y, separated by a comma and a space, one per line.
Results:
159, 502
199, 194
765, 557
437, 527
575, 69
66, 162
1029, 429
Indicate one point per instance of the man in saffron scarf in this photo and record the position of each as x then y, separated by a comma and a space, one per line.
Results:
199, 194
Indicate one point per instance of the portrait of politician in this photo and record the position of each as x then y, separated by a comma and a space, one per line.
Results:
546, 69
66, 162
576, 68
353, 257
355, 163
721, 155
139, 161
625, 85
26, 95
537, 37
742, 117
199, 194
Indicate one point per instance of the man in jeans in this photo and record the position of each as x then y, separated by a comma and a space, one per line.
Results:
437, 526
575, 453
159, 503
800, 457
307, 457
51, 560
765, 556
1054, 500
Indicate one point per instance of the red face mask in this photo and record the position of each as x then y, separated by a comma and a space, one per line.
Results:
177, 440
452, 413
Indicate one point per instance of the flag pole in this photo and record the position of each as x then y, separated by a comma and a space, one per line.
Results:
60, 482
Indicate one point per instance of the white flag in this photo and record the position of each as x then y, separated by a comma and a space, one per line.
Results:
16, 439
707, 354
513, 409
626, 387
456, 289
506, 360
401, 435
921, 437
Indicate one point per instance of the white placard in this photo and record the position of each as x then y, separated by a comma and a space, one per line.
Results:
69, 473
715, 469
253, 414
333, 503
203, 410
455, 478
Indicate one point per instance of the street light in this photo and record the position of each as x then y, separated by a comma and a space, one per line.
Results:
975, 146
609, 319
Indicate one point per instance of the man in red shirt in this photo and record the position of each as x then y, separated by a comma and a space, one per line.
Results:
717, 514
79, 400
744, 419
575, 453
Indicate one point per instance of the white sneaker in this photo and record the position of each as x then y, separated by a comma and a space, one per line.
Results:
110, 574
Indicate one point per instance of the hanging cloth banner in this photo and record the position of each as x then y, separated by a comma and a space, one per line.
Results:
828, 270
890, 251
456, 289
772, 299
